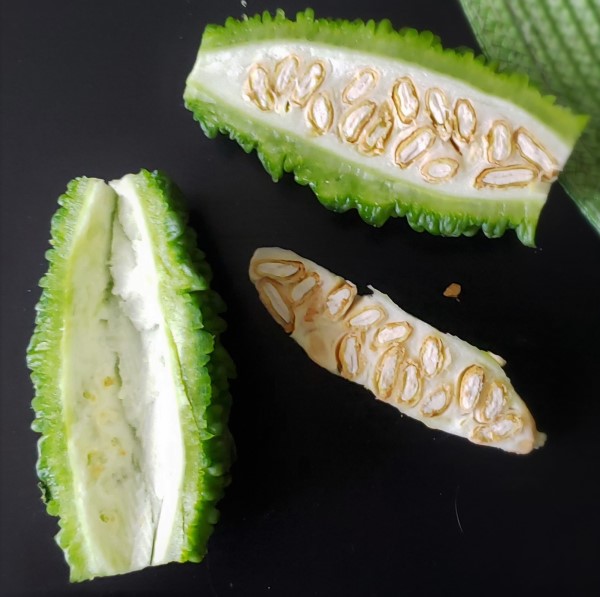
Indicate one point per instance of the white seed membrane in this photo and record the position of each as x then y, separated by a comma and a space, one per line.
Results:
277, 270
360, 86
121, 390
457, 113
439, 170
435, 403
436, 378
339, 300
410, 385
386, 374
466, 120
366, 318
470, 387
393, 331
277, 302
532, 151
350, 355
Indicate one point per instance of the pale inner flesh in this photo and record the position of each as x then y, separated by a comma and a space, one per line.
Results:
120, 389
459, 116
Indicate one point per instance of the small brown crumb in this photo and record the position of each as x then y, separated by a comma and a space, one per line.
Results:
453, 291
108, 381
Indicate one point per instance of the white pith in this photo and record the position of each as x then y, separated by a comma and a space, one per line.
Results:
121, 389
222, 74
434, 376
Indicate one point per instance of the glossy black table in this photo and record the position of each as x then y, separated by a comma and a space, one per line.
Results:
333, 493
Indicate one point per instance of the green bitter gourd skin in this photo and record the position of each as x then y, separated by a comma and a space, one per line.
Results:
386, 122
131, 381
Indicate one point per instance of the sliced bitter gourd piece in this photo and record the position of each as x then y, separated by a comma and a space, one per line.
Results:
131, 380
385, 122
433, 377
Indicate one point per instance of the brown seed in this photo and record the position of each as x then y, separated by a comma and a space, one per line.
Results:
355, 120
465, 119
319, 113
286, 73
439, 170
492, 404
410, 384
470, 386
339, 300
386, 372
499, 141
272, 296
364, 81
498, 430
367, 317
393, 332
308, 83
280, 269
350, 359
397, 331
406, 100
432, 355
437, 402
513, 176
439, 112
377, 132
305, 287
257, 88
414, 146
533, 151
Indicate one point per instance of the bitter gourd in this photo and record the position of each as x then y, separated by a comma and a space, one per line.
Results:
386, 122
433, 377
130, 377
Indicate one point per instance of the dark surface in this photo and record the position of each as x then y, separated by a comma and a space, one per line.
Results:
333, 493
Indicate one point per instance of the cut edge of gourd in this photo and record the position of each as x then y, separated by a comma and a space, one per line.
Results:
43, 359
205, 365
420, 48
339, 190
206, 385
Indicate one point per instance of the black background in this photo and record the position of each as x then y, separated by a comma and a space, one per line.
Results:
333, 493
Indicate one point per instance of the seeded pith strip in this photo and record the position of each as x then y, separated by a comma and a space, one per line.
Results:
436, 378
385, 122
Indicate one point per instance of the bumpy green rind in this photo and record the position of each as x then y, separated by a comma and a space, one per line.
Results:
343, 186
192, 310
421, 48
559, 48
340, 185
43, 359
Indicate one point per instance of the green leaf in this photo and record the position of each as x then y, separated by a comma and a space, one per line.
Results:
558, 45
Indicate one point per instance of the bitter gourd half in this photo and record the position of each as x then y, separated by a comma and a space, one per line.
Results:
131, 382
386, 122
436, 378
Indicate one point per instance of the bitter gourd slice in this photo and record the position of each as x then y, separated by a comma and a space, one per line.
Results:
130, 377
433, 377
385, 122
